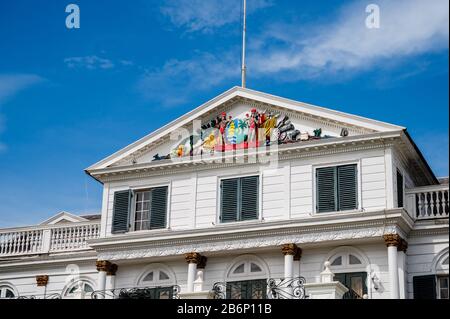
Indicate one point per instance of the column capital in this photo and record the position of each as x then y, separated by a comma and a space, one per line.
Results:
102, 265
290, 249
202, 263
392, 240
112, 269
193, 258
41, 280
403, 246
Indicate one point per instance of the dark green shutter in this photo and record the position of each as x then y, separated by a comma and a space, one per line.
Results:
229, 200
121, 211
347, 187
399, 189
326, 189
158, 207
249, 197
424, 287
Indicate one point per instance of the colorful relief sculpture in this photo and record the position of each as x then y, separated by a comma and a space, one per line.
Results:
256, 129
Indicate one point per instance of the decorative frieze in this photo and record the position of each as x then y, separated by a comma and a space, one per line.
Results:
229, 244
42, 280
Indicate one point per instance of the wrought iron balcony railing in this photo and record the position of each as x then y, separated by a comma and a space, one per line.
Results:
284, 288
158, 292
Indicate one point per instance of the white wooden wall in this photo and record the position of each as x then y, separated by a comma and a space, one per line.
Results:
286, 192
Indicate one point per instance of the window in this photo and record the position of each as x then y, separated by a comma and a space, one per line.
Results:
158, 284
399, 189
79, 289
336, 188
443, 287
246, 280
239, 199
6, 292
149, 207
355, 282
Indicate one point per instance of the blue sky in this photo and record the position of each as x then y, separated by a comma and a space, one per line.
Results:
69, 98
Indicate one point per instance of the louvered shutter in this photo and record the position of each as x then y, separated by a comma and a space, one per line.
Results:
158, 207
229, 200
121, 211
347, 187
399, 189
326, 189
424, 287
249, 197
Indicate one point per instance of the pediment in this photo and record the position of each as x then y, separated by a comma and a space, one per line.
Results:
243, 118
63, 218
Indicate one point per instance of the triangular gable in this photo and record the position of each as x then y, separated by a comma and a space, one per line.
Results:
239, 94
63, 217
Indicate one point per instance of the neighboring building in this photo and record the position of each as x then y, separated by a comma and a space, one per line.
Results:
335, 198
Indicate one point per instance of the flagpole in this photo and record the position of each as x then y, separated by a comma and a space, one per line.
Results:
243, 70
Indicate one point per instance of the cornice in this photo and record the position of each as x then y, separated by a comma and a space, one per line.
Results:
266, 236
322, 147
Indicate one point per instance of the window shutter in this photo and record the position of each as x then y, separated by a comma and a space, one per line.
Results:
326, 189
229, 200
399, 189
347, 187
249, 197
424, 287
158, 208
121, 210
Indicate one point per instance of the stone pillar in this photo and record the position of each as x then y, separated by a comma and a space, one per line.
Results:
41, 282
198, 282
111, 280
192, 259
392, 242
401, 255
289, 251
102, 268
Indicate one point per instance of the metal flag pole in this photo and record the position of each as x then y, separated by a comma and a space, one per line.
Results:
243, 70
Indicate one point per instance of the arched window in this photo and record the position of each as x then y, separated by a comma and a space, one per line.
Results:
79, 290
159, 281
6, 292
246, 278
350, 267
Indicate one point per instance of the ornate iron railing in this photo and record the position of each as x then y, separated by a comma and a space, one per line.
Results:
284, 288
157, 292
49, 296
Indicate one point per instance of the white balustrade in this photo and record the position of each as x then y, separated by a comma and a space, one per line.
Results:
49, 238
428, 202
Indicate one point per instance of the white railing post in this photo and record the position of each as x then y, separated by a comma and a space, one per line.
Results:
46, 240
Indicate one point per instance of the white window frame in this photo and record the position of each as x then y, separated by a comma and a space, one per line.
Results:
359, 187
132, 217
219, 198
438, 285
4, 287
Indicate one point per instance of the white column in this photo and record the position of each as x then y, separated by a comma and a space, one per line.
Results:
41, 282
102, 267
192, 259
401, 255
288, 266
392, 241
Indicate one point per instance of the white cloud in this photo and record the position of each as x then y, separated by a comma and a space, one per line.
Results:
173, 83
408, 28
206, 15
90, 62
10, 85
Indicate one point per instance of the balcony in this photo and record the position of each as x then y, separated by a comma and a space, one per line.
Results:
429, 202
47, 239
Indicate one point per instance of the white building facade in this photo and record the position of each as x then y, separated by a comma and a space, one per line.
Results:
248, 196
